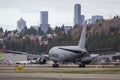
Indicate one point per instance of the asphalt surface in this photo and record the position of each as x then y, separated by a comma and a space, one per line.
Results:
54, 76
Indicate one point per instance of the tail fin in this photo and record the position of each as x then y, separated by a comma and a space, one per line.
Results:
83, 37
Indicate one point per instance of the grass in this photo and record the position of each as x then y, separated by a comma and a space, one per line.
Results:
69, 71
90, 69
77, 71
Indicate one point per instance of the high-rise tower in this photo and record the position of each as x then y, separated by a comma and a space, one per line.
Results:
21, 24
44, 21
77, 10
78, 18
44, 17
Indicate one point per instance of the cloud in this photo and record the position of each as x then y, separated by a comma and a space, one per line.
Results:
35, 5
60, 11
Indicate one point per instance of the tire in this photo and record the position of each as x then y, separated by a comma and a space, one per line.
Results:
82, 65
55, 65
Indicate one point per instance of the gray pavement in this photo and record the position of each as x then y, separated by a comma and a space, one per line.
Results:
54, 76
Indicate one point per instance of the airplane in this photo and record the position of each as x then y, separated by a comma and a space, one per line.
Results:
75, 54
71, 53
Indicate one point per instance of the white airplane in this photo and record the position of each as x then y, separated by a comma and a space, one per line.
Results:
71, 53
76, 54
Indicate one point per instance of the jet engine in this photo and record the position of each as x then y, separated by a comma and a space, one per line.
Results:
42, 59
86, 60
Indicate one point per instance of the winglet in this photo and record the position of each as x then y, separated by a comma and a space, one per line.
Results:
83, 37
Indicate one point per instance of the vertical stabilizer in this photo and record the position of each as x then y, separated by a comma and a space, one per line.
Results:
83, 37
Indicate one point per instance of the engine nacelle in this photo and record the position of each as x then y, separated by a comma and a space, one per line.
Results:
42, 60
86, 60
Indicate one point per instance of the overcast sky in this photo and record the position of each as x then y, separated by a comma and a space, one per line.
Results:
60, 11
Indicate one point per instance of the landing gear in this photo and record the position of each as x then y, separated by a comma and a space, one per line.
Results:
55, 65
81, 65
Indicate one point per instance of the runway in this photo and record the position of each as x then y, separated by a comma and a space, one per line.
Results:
39, 72
54, 76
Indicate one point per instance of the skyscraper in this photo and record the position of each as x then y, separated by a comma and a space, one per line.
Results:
44, 17
21, 24
44, 21
77, 10
78, 18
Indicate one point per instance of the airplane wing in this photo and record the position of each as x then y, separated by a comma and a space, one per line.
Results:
101, 50
14, 52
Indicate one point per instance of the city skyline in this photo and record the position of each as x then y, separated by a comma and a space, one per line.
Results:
60, 11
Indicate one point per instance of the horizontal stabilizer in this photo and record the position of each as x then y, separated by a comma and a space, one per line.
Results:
101, 50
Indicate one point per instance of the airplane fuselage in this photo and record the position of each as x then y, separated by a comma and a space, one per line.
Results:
66, 53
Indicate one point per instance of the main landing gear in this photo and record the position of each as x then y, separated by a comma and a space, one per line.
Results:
81, 65
55, 65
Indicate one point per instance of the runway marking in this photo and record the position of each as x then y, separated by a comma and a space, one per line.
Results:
54, 76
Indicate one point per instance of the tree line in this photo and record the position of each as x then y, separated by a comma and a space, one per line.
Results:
99, 35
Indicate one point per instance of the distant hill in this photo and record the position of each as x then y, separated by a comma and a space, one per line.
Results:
102, 34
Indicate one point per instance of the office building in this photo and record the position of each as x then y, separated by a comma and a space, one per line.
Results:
94, 19
21, 24
7, 57
67, 28
44, 17
78, 18
44, 21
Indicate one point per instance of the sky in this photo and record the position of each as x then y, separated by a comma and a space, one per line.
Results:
60, 11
